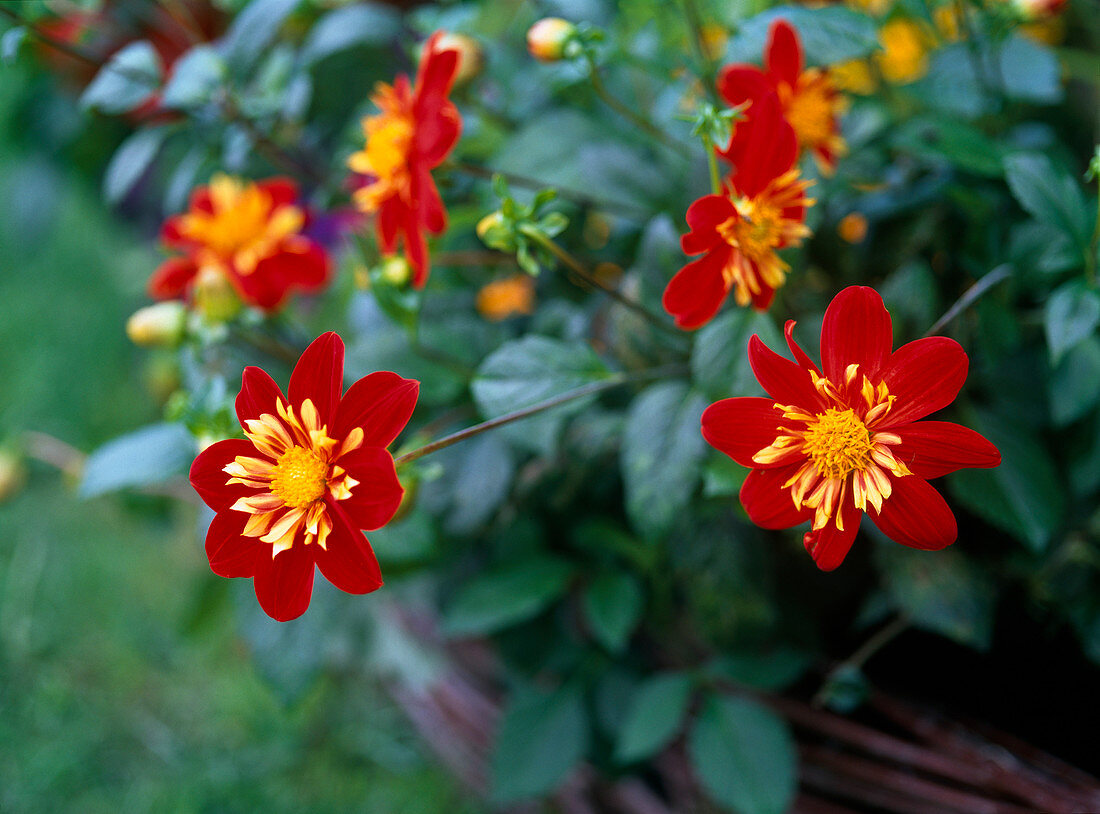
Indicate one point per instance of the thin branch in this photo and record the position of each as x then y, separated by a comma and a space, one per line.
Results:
968, 298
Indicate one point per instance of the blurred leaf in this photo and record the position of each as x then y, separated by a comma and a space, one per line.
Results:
1075, 386
1049, 194
1022, 496
1028, 70
127, 81
131, 160
253, 30
612, 607
408, 540
956, 142
541, 738
662, 455
479, 473
195, 77
829, 35
10, 43
498, 599
720, 358
150, 455
1071, 315
723, 476
744, 755
845, 689
349, 26
775, 670
656, 714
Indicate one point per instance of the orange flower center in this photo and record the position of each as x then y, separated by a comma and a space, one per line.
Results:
299, 477
838, 443
385, 157
810, 107
244, 228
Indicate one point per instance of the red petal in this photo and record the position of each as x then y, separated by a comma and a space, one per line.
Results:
694, 295
416, 249
703, 217
437, 70
348, 561
230, 553
431, 212
934, 448
390, 216
319, 376
741, 427
781, 378
740, 83
763, 146
172, 236
856, 329
258, 396
439, 126
768, 504
381, 403
916, 515
925, 375
282, 191
800, 355
284, 584
374, 501
171, 279
783, 53
209, 478
829, 546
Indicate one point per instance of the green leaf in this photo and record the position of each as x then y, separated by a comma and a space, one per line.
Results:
348, 27
253, 30
479, 472
498, 599
1028, 71
541, 738
720, 358
126, 82
195, 77
1049, 194
956, 142
655, 717
775, 670
150, 455
1071, 315
744, 755
11, 42
530, 370
829, 35
1075, 386
662, 455
130, 161
613, 606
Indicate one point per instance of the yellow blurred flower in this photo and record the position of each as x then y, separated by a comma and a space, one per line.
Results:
714, 39
904, 55
507, 297
853, 76
852, 228
876, 8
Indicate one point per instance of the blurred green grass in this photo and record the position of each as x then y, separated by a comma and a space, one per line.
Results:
110, 698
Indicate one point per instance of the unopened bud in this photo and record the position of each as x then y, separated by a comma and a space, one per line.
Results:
471, 57
548, 39
161, 325
215, 297
395, 270
1031, 10
495, 234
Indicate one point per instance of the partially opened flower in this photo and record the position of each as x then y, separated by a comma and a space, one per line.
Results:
834, 442
761, 210
810, 100
312, 471
250, 234
415, 130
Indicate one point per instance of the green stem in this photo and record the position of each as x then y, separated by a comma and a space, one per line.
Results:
623, 110
707, 74
862, 655
517, 415
971, 294
1094, 247
712, 163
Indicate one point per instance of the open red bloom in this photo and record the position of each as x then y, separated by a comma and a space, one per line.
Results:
739, 232
415, 131
248, 233
810, 100
835, 442
312, 471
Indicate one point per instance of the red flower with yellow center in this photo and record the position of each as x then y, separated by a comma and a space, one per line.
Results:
810, 100
832, 443
762, 210
248, 233
415, 130
312, 471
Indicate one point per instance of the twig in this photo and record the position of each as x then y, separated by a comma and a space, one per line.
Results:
1002, 272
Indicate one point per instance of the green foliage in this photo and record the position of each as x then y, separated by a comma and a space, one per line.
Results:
829, 35
498, 599
127, 81
147, 456
655, 716
613, 608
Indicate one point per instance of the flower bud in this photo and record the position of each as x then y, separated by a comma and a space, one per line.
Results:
495, 234
852, 228
161, 325
215, 297
1031, 10
395, 270
548, 38
471, 57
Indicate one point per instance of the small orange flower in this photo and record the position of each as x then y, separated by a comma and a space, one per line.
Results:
508, 297
250, 234
415, 130
810, 100
852, 228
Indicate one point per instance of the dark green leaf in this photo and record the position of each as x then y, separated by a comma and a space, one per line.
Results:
150, 455
498, 599
744, 755
656, 715
130, 161
662, 455
1075, 386
195, 77
350, 26
1029, 71
1049, 194
720, 359
956, 142
541, 738
612, 606
775, 670
253, 30
1072, 314
127, 81
829, 35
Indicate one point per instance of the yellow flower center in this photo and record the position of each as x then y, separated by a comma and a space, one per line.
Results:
757, 231
810, 107
386, 154
299, 477
838, 442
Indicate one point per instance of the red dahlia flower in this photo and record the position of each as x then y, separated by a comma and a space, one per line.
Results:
312, 470
810, 100
835, 442
415, 131
248, 233
762, 210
